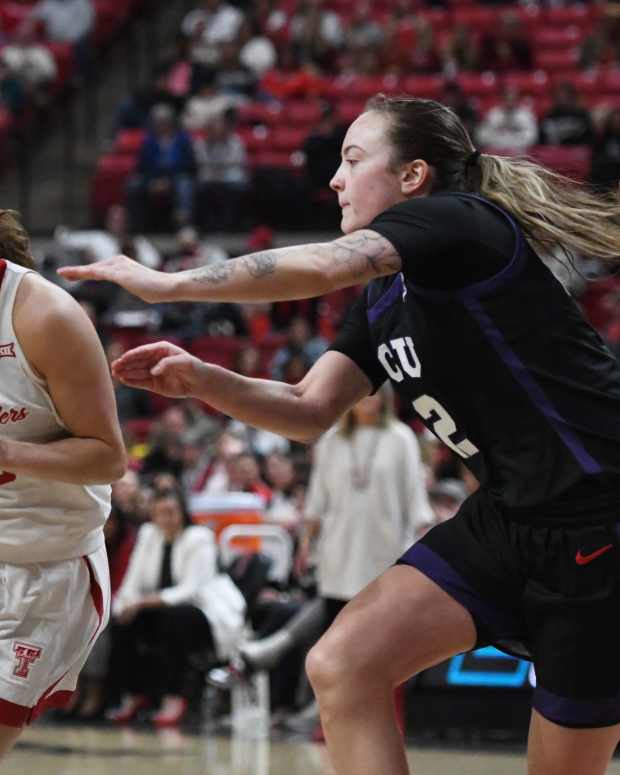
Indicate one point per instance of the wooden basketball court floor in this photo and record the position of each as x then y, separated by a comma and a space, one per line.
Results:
60, 750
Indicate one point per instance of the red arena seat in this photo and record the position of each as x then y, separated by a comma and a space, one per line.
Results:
573, 161
129, 141
429, 86
528, 84
478, 84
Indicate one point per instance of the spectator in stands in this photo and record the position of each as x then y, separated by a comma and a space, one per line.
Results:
363, 33
191, 251
125, 494
286, 503
65, 21
300, 341
271, 18
567, 122
509, 126
213, 23
158, 612
69, 21
454, 97
424, 56
233, 78
249, 363
215, 479
461, 51
506, 47
400, 35
95, 245
208, 103
316, 34
223, 179
606, 155
257, 52
166, 168
165, 452
135, 110
244, 476
30, 61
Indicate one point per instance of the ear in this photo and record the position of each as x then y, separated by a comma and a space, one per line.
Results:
415, 178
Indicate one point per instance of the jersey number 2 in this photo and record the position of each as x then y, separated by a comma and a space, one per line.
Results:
443, 425
6, 477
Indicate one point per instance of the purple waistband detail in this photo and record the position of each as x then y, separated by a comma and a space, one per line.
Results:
496, 622
532, 387
579, 713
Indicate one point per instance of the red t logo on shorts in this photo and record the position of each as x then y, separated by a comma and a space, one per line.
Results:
25, 656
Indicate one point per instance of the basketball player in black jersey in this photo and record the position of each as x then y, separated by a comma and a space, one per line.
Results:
460, 314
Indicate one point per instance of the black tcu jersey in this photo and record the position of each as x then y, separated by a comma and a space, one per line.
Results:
493, 354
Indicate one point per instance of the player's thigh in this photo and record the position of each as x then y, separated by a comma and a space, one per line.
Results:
398, 625
557, 750
8, 737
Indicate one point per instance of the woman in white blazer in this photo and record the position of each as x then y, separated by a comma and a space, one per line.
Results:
159, 621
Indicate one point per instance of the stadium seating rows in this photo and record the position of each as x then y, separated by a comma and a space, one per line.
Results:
110, 16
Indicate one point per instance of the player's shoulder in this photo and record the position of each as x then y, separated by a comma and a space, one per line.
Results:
46, 309
436, 209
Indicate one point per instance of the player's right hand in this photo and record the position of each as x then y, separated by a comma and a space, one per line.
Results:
162, 368
149, 285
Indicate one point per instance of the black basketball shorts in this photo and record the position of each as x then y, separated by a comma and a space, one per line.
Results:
550, 594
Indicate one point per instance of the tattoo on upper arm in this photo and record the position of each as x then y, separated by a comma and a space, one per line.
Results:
363, 251
261, 264
213, 274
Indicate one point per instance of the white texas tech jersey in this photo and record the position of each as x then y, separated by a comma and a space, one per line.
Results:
40, 520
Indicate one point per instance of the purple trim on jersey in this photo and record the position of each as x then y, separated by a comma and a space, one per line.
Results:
385, 301
571, 712
497, 622
531, 387
483, 287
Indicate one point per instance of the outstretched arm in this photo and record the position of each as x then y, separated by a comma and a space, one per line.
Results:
297, 272
301, 412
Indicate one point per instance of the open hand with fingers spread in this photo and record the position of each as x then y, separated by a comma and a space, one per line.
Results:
162, 368
148, 284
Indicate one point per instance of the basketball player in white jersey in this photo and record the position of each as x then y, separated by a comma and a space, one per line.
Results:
60, 447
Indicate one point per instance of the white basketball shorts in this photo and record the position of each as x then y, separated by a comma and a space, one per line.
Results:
50, 615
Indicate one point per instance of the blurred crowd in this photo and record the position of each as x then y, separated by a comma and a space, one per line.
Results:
38, 42
202, 129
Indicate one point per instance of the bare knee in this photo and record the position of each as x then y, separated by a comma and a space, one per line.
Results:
337, 661
324, 666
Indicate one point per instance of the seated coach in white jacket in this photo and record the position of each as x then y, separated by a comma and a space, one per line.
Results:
159, 613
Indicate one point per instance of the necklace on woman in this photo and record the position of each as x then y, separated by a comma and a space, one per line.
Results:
361, 469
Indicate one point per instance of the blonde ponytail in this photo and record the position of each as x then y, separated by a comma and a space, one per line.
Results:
552, 209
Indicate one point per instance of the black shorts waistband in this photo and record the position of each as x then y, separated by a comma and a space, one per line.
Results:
588, 503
